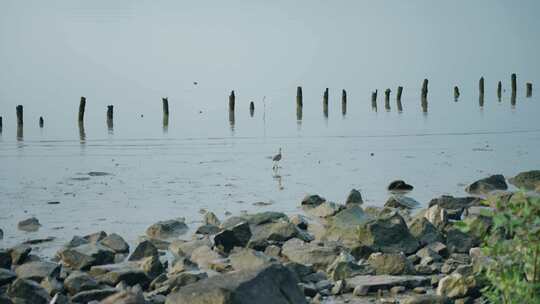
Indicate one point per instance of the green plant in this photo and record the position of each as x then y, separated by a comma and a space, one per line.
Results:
511, 247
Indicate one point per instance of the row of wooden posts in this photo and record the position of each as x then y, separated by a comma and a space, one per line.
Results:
299, 103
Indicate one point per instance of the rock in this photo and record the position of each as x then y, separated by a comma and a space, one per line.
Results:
454, 205
361, 252
360, 291
399, 185
95, 237
439, 248
344, 270
300, 221
28, 291
116, 243
273, 284
76, 241
37, 271
460, 242
127, 274
401, 202
85, 256
93, 295
248, 258
354, 198
236, 236
424, 231
309, 253
275, 233
273, 251
143, 250
528, 180
389, 263
125, 297
52, 285
29, 225
167, 229
207, 230
151, 266
204, 256
397, 290
457, 286
375, 282
211, 219
309, 289
437, 216
344, 225
19, 254
264, 217
419, 290
486, 185
181, 265
6, 276
5, 300
185, 278
5, 259
325, 209
78, 281
388, 234
312, 201
426, 299
180, 248
428, 253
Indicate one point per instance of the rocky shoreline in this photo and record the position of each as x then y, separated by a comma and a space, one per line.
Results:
336, 253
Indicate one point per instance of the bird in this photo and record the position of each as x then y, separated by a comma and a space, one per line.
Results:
276, 159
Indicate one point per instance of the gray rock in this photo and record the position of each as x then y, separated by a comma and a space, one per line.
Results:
426, 299
312, 200
399, 186
95, 237
309, 253
125, 297
388, 234
454, 205
85, 256
389, 263
236, 236
93, 295
76, 241
211, 219
273, 251
27, 291
181, 248
344, 270
424, 231
6, 276
344, 225
325, 209
273, 284
375, 282
52, 285
354, 198
460, 242
127, 274
528, 180
78, 281
116, 243
205, 257
167, 229
207, 230
181, 265
19, 254
300, 221
401, 202
151, 266
5, 259
37, 271
245, 258
486, 185
275, 233
143, 250
361, 252
175, 282
29, 225
457, 286
437, 216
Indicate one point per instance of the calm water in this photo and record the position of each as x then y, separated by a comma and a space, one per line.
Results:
132, 53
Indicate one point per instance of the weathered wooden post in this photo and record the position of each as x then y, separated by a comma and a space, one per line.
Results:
325, 102
41, 122
456, 93
425, 88
82, 106
387, 99
165, 101
374, 100
343, 102
529, 89
514, 83
1, 124
299, 98
232, 99
251, 108
82, 133
481, 91
19, 110
299, 114
231, 119
499, 90
399, 93
110, 123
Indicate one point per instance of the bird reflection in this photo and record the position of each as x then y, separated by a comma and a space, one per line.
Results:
279, 180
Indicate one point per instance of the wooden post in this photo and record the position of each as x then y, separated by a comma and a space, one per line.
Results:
529, 89
499, 90
374, 100
1, 124
110, 122
387, 99
19, 110
299, 113
456, 93
299, 98
481, 91
232, 99
343, 102
251, 108
514, 83
399, 92
41, 122
82, 106
231, 119
425, 88
165, 101
325, 102
82, 133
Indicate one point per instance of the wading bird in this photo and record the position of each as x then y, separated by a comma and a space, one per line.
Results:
276, 159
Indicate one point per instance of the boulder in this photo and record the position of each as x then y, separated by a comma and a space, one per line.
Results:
143, 250
300, 221
236, 236
528, 180
372, 283
151, 266
95, 237
273, 284
205, 257
175, 282
345, 267
344, 225
457, 286
318, 255
28, 291
78, 281
426, 299
390, 263
312, 200
6, 276
486, 185
167, 229
93, 295
325, 209
207, 230
126, 297
76, 241
399, 186
5, 259
401, 202
275, 233
85, 256
424, 231
354, 198
29, 225
37, 271
19, 254
437, 216
460, 242
128, 274
52, 285
454, 205
116, 243
211, 219
246, 258
388, 234
181, 248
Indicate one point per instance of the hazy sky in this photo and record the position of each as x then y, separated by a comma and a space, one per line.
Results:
52, 52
